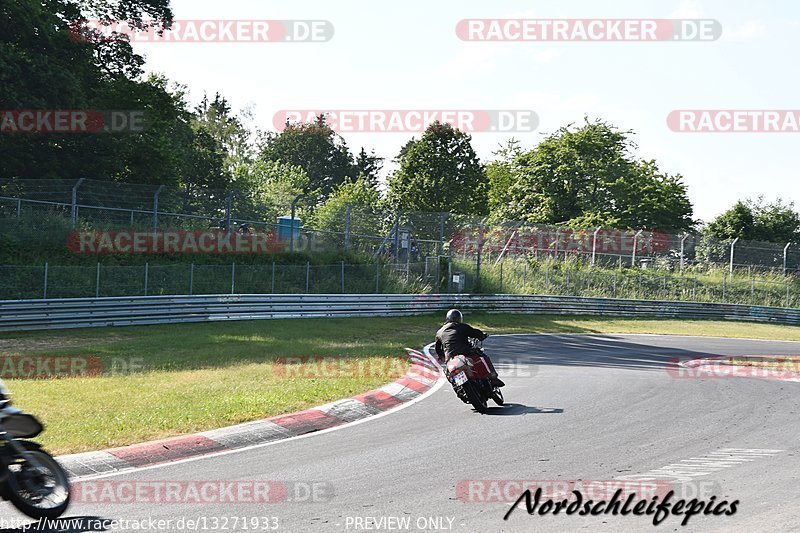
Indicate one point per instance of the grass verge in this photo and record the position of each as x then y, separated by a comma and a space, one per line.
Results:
195, 377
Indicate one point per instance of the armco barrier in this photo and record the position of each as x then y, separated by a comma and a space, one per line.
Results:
16, 315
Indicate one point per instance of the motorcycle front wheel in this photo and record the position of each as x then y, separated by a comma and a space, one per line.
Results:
475, 397
38, 486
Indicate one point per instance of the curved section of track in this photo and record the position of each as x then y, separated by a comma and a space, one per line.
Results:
580, 407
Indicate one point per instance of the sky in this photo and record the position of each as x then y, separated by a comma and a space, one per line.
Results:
407, 55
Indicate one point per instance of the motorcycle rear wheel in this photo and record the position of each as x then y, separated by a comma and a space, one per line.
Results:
24, 485
475, 397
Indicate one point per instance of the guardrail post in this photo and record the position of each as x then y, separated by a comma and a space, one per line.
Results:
155, 208
97, 283
47, 267
308, 274
191, 279
594, 244
146, 277
733, 245
273, 277
683, 248
74, 212
233, 278
785, 255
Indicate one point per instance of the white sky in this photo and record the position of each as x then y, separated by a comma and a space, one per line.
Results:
405, 55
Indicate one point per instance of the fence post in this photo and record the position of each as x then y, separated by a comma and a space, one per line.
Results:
525, 276
19, 207
724, 287
308, 274
47, 266
132, 213
635, 246
294, 211
683, 255
228, 211
155, 208
733, 245
74, 212
442, 219
752, 291
377, 277
501, 276
233, 278
478, 259
785, 254
191, 279
342, 277
594, 244
97, 283
146, 277
347, 227
450, 274
787, 292
615, 284
273, 277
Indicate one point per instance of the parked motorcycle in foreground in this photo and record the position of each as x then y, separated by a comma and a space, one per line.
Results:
469, 376
29, 476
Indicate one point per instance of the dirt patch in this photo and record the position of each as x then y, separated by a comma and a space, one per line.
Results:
23, 345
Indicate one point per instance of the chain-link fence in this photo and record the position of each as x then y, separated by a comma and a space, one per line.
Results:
51, 281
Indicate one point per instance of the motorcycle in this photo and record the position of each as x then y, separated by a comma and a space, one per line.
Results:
29, 476
469, 376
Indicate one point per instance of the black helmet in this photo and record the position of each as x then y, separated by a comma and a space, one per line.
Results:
454, 315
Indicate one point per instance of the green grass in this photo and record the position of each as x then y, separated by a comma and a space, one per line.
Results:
204, 376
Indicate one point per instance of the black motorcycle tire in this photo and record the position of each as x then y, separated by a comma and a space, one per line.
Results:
497, 397
12, 489
475, 397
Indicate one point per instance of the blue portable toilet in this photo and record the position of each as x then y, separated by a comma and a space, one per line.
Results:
286, 226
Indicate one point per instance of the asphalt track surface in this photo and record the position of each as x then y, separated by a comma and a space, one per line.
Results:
579, 407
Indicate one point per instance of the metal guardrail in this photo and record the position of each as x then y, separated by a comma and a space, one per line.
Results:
17, 315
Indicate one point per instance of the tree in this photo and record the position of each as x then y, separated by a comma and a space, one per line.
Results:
758, 221
501, 173
268, 189
315, 148
440, 173
361, 194
369, 166
588, 173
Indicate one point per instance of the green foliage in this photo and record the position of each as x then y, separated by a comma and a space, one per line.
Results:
315, 148
501, 175
270, 187
331, 215
758, 221
589, 174
440, 173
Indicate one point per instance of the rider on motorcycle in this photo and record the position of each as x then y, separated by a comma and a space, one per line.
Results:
453, 339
